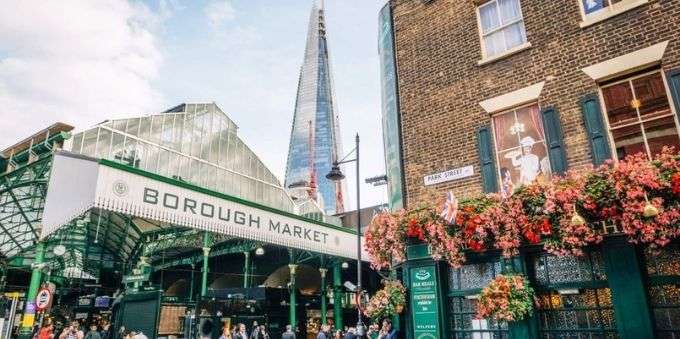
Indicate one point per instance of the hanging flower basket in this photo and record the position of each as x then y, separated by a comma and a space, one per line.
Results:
636, 197
387, 302
507, 298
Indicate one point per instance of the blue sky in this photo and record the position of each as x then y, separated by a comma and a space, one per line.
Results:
91, 61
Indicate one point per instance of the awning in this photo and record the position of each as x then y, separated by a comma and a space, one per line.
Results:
78, 184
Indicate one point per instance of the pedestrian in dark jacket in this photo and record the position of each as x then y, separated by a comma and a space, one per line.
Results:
289, 334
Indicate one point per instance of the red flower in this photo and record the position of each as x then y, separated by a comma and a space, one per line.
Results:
475, 245
675, 183
414, 230
532, 237
546, 228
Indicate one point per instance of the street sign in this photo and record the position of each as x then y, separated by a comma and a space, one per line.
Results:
425, 303
454, 174
135, 278
43, 299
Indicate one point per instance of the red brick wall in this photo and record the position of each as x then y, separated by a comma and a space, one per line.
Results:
441, 84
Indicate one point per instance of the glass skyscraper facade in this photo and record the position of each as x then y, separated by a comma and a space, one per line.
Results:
315, 138
196, 143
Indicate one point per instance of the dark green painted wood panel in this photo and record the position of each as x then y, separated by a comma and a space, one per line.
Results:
629, 297
486, 157
552, 126
597, 133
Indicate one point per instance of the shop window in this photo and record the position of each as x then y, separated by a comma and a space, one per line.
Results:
663, 270
573, 300
521, 152
501, 26
465, 284
639, 115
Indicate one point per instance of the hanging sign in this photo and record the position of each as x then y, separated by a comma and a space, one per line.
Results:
135, 278
425, 303
43, 299
454, 174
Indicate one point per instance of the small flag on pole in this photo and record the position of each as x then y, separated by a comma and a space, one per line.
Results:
450, 207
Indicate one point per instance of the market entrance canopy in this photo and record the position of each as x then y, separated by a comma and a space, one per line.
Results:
78, 184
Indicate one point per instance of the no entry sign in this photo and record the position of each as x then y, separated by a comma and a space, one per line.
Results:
43, 299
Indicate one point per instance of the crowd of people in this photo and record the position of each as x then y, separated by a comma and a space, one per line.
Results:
97, 330
101, 330
375, 331
239, 332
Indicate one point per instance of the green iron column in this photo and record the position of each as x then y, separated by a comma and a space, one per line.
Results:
337, 295
246, 269
191, 283
292, 316
206, 253
29, 311
396, 319
324, 302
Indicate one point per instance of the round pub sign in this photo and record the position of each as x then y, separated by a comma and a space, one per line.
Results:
43, 299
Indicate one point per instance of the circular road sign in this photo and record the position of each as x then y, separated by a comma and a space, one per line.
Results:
43, 299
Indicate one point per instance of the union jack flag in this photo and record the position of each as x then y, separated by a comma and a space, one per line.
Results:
450, 207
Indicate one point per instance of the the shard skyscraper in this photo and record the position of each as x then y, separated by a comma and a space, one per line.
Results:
315, 138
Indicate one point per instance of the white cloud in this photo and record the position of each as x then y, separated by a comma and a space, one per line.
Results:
79, 62
219, 12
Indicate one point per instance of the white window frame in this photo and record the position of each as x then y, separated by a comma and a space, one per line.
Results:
514, 109
603, 108
508, 51
607, 12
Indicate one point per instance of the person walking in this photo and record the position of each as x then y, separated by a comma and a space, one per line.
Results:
72, 332
46, 332
289, 334
93, 333
262, 333
324, 332
255, 330
350, 334
241, 333
387, 332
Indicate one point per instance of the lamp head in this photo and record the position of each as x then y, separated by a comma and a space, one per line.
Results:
335, 174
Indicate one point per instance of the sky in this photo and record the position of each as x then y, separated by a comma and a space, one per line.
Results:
83, 62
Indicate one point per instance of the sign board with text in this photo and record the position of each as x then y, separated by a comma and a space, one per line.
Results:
425, 302
43, 299
450, 175
78, 184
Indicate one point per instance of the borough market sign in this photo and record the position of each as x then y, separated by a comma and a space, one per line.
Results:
78, 184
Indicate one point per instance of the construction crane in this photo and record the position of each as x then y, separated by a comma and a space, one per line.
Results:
312, 164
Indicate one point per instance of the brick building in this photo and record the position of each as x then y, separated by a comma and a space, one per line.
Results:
522, 89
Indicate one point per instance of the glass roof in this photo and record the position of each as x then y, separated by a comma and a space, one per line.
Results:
196, 143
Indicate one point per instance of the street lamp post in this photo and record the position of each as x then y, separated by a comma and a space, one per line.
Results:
336, 175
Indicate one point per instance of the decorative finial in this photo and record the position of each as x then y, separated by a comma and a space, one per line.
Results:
649, 210
576, 219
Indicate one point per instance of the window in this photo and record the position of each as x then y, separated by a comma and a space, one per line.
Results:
639, 115
594, 11
521, 152
465, 283
501, 25
597, 6
572, 296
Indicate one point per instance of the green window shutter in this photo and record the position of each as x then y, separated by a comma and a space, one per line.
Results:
554, 140
487, 165
673, 77
597, 134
